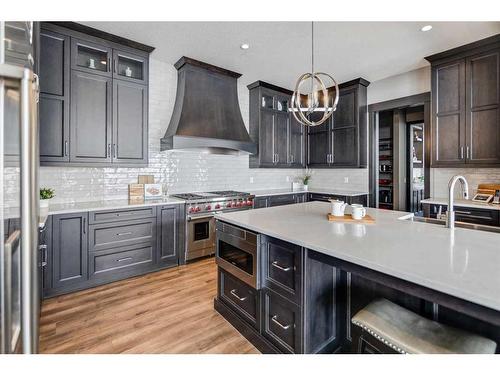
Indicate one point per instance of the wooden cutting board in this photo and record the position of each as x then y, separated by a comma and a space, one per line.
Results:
348, 219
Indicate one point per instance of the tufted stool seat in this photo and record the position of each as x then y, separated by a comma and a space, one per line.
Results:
406, 332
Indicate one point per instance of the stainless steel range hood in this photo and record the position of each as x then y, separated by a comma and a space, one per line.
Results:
206, 113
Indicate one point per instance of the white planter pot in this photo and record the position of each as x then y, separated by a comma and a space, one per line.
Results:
44, 203
306, 187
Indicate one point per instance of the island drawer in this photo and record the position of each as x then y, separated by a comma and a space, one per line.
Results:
242, 298
118, 261
120, 215
111, 235
281, 322
282, 267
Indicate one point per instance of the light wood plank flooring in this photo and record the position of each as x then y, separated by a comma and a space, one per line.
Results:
169, 311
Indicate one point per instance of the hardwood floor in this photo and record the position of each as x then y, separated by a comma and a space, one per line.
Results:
169, 311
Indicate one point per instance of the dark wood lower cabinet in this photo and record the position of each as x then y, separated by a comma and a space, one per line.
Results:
466, 214
171, 235
69, 250
358, 199
117, 244
281, 322
279, 200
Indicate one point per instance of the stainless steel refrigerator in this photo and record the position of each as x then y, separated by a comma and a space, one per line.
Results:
19, 260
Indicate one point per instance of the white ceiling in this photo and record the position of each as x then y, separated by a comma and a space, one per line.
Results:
280, 51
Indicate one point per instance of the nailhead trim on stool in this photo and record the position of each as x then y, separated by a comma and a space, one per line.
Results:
378, 337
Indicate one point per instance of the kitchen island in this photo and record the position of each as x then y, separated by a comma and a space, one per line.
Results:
335, 269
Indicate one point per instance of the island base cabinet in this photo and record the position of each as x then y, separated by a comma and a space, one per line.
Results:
281, 322
300, 308
243, 299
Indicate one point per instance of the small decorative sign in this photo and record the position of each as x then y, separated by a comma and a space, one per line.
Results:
152, 191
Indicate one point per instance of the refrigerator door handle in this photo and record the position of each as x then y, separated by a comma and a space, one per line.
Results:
30, 307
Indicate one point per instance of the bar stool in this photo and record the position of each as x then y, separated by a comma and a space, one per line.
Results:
402, 331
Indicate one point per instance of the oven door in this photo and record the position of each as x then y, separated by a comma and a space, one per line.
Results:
237, 253
200, 236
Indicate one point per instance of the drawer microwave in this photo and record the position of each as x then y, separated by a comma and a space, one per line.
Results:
237, 252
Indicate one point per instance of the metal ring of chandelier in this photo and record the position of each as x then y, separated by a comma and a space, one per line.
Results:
301, 113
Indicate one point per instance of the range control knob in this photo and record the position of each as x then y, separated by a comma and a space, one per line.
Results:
249, 203
191, 209
238, 204
208, 207
228, 204
217, 206
197, 209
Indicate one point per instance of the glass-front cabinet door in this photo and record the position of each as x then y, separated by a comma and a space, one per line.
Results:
91, 57
129, 67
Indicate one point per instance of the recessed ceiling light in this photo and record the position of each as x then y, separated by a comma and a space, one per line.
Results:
426, 28
245, 46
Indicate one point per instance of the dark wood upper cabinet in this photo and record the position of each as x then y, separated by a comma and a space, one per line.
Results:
296, 139
281, 139
91, 108
482, 102
54, 107
93, 101
130, 123
319, 145
130, 67
465, 105
448, 131
341, 142
91, 57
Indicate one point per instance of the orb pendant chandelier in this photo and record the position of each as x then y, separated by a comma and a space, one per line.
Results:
317, 100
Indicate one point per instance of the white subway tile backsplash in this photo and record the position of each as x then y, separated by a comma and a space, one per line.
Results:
179, 171
441, 176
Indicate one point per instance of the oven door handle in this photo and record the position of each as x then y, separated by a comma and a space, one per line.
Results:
192, 218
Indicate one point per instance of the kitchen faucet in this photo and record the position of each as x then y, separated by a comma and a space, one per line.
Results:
450, 216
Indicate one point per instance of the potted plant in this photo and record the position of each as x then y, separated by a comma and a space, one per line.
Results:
306, 177
46, 194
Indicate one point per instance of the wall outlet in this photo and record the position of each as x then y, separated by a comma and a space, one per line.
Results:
251, 180
346, 180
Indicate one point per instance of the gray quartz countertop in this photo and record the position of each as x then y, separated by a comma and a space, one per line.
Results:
267, 192
462, 203
462, 262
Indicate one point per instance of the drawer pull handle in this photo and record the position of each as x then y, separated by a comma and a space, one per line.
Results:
281, 268
123, 234
124, 259
233, 292
275, 320
463, 212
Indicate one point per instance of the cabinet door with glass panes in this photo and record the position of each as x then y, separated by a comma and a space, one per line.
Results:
91, 57
130, 67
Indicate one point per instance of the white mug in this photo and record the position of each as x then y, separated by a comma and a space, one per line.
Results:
358, 211
338, 207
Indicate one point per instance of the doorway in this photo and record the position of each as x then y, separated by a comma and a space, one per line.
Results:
399, 153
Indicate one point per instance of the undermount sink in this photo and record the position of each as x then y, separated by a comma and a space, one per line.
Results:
458, 224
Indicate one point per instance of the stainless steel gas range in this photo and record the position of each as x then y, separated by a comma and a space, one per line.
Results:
200, 223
